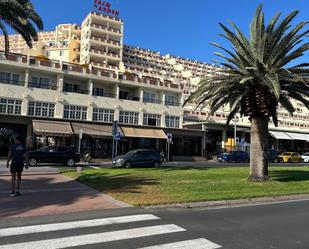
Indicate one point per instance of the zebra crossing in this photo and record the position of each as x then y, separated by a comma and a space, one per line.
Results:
127, 236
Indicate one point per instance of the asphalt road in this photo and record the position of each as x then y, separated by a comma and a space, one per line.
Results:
281, 226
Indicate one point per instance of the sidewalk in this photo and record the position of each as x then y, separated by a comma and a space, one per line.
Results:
45, 192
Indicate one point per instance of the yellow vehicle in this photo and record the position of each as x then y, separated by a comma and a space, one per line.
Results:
290, 157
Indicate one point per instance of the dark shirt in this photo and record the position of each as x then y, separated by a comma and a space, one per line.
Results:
17, 153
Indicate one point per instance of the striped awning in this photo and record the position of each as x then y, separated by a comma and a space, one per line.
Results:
143, 132
95, 130
51, 128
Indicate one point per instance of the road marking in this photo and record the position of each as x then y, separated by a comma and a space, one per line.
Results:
187, 244
75, 224
83, 240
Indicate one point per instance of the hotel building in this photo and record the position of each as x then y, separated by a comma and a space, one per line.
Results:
80, 78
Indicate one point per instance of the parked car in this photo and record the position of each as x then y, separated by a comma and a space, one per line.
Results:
233, 156
51, 154
305, 157
272, 156
290, 157
138, 158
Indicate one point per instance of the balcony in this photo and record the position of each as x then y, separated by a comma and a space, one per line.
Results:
12, 82
103, 94
169, 103
133, 98
80, 91
153, 101
42, 85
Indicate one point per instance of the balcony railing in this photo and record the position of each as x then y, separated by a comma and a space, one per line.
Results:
81, 91
12, 82
41, 85
169, 103
108, 95
154, 101
133, 98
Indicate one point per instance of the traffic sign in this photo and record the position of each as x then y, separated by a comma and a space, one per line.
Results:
117, 136
169, 137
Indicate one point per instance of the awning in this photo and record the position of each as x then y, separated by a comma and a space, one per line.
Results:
95, 130
280, 135
51, 128
298, 136
143, 132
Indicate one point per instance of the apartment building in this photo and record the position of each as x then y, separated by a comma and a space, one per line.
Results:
83, 77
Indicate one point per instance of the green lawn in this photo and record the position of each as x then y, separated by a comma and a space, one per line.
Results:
176, 185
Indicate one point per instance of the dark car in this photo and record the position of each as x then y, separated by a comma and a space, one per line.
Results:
51, 154
138, 158
272, 156
233, 156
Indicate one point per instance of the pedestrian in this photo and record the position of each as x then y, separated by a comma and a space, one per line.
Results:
17, 154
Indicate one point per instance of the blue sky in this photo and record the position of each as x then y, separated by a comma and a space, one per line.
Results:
179, 27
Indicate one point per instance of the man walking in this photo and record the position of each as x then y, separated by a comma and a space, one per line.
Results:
18, 154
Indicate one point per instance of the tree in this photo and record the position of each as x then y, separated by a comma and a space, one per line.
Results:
258, 78
20, 16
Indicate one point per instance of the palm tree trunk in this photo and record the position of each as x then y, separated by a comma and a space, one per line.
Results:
258, 149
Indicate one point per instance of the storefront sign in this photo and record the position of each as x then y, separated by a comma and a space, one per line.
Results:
105, 7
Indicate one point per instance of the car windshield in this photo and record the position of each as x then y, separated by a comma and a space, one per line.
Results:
130, 153
43, 148
286, 154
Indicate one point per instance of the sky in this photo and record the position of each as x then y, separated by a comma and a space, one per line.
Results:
179, 27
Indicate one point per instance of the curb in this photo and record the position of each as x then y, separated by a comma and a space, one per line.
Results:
234, 203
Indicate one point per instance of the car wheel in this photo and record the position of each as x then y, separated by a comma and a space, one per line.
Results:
33, 162
127, 165
156, 164
70, 162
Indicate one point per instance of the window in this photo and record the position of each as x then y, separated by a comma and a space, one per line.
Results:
152, 119
170, 100
10, 106
149, 97
104, 115
41, 109
126, 117
39, 82
123, 95
75, 112
98, 91
9, 78
172, 121
48, 53
61, 53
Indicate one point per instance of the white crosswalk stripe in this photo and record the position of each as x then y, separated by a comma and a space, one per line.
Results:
83, 240
113, 235
187, 244
75, 224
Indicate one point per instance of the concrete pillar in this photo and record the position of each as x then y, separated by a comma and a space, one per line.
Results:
181, 121
90, 87
90, 111
60, 82
26, 78
141, 117
163, 124
223, 140
117, 89
59, 108
116, 113
24, 106
162, 97
141, 94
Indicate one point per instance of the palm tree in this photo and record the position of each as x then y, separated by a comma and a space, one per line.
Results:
20, 16
257, 79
